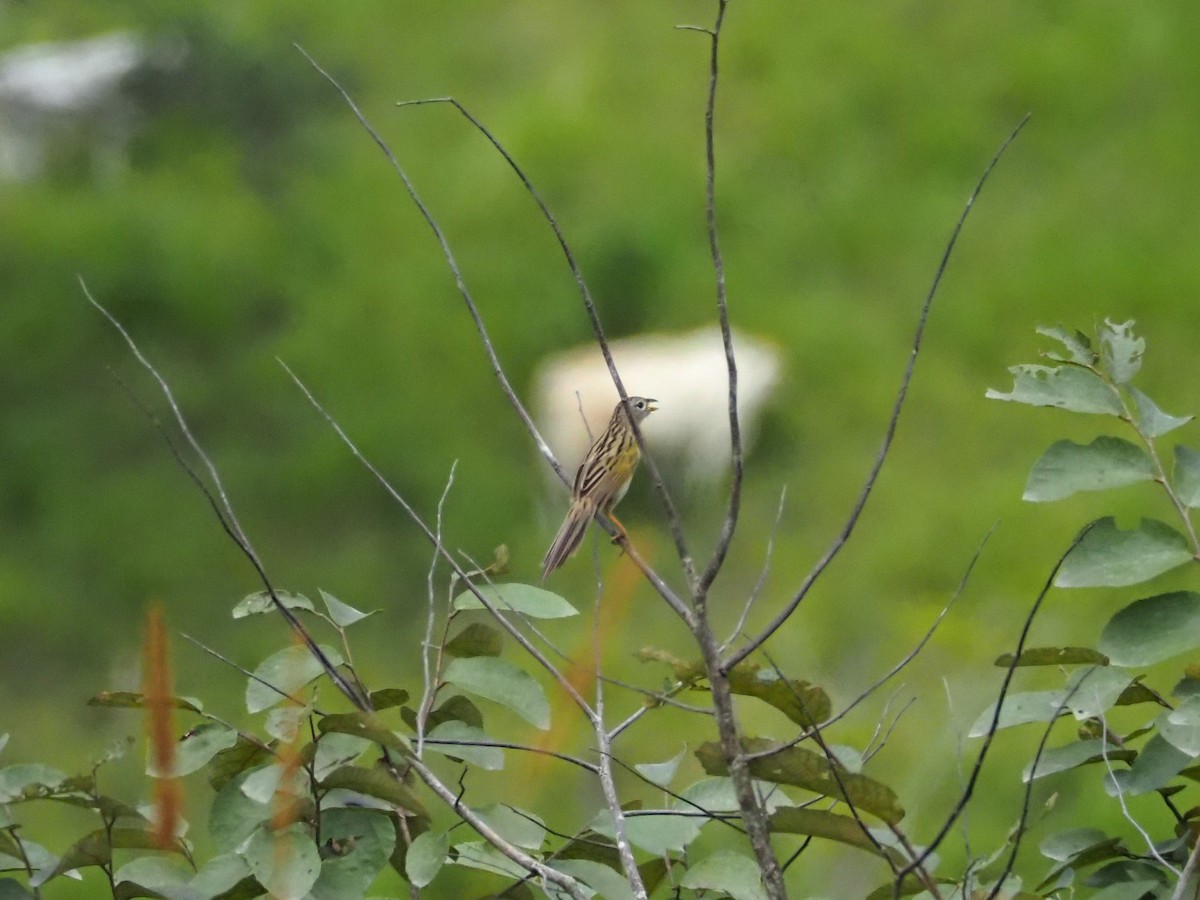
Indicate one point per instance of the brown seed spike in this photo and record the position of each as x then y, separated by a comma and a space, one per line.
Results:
160, 731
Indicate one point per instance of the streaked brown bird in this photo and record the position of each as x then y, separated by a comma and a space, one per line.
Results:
601, 482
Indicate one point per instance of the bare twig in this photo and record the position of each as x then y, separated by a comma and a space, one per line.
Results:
589, 305
762, 575
785, 613
968, 791
729, 524
429, 687
219, 500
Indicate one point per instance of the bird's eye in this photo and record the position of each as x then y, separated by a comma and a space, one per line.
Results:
641, 404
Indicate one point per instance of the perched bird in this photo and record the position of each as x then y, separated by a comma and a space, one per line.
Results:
601, 482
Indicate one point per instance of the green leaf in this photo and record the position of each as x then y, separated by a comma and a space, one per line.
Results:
656, 834
1157, 763
661, 773
825, 824
481, 855
1092, 692
260, 602
476, 639
284, 722
1054, 656
1020, 709
534, 602
1109, 557
1078, 346
1187, 476
285, 862
220, 874
360, 842
342, 614
196, 749
241, 757
28, 781
1127, 890
336, 749
719, 795
1078, 849
1153, 629
95, 849
364, 725
13, 890
803, 768
805, 704
1181, 726
1072, 756
524, 829
388, 698
262, 784
136, 700
157, 873
1151, 420
288, 670
732, 873
234, 816
459, 740
608, 883
1067, 468
378, 783
426, 856
1064, 387
1120, 351
504, 683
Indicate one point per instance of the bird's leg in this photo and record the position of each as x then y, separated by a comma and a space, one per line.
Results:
622, 534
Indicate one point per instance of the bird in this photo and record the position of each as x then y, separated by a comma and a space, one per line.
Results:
601, 481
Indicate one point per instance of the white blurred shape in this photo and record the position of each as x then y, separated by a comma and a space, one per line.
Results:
70, 76
688, 377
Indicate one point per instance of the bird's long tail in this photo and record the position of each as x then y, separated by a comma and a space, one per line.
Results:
568, 537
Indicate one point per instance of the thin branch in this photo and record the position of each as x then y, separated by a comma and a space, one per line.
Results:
589, 305
229, 662
729, 525
762, 575
1026, 803
896, 669
221, 505
1009, 672
785, 613
427, 677
515, 633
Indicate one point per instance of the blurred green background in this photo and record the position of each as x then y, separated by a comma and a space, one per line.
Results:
239, 213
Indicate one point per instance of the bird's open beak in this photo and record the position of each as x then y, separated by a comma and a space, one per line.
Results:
650, 407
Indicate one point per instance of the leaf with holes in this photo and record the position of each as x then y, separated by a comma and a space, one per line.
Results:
1067, 468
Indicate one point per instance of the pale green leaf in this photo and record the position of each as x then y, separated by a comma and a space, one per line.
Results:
482, 855
1120, 350
336, 749
1157, 763
260, 602
195, 750
1067, 468
342, 614
1093, 691
477, 639
1079, 753
426, 856
234, 816
1020, 709
285, 862
1151, 420
504, 683
1187, 476
1152, 629
220, 874
288, 671
1078, 346
526, 830
1180, 727
362, 841
1064, 387
1065, 845
27, 781
732, 873
534, 602
462, 741
607, 882
262, 784
1109, 557
656, 834
663, 772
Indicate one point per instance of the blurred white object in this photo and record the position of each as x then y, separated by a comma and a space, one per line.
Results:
688, 377
54, 89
